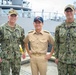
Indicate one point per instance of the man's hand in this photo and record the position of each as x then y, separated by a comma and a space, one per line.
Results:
56, 61
0, 60
23, 56
29, 53
48, 56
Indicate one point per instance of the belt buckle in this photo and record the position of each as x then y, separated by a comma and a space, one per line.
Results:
38, 54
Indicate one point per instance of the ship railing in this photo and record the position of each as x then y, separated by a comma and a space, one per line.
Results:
30, 14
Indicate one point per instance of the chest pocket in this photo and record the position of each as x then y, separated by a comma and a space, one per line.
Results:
32, 40
62, 34
18, 33
7, 35
73, 33
43, 40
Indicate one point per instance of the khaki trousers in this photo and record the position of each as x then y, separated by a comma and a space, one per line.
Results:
38, 64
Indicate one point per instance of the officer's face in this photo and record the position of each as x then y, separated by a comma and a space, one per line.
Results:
38, 25
69, 14
12, 18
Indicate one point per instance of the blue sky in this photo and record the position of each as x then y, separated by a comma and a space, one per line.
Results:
50, 5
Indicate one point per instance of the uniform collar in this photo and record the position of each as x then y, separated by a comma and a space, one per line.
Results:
9, 28
71, 24
41, 32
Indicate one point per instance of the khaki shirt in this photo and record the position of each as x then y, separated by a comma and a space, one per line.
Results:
39, 41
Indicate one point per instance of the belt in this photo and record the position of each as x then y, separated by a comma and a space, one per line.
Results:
39, 54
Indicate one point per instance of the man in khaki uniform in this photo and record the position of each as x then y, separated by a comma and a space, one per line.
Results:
39, 43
